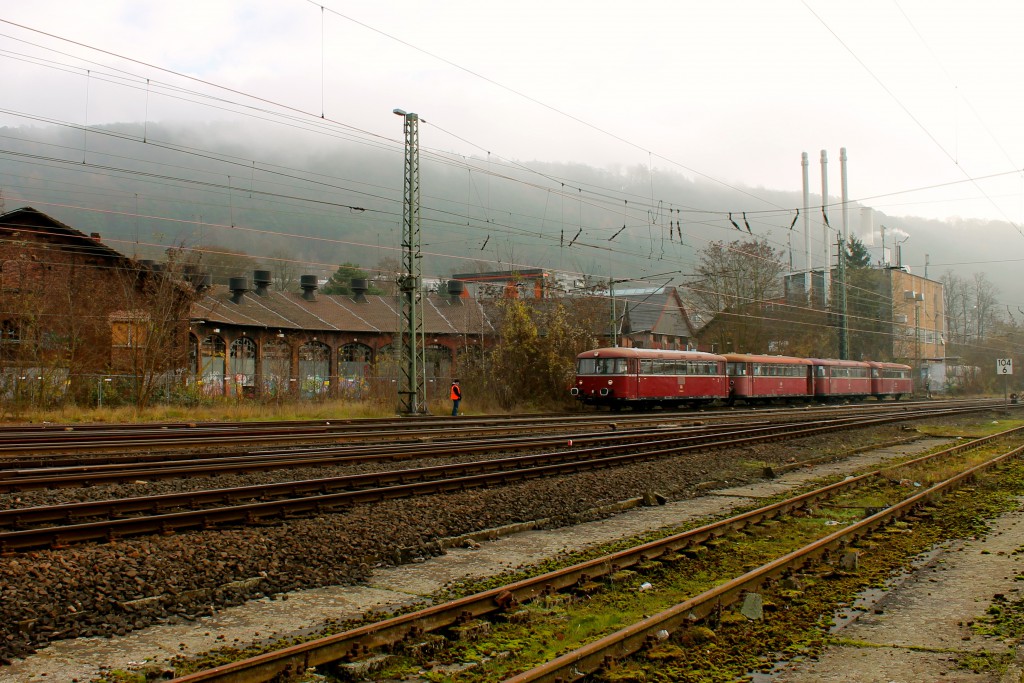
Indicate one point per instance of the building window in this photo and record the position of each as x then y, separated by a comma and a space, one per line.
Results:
355, 360
128, 330
10, 332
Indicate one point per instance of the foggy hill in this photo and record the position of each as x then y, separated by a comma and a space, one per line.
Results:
327, 199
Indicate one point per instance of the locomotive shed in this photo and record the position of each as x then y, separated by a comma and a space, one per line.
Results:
394, 531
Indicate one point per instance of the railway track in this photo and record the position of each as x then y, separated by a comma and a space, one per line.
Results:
78, 472
57, 525
18, 443
362, 642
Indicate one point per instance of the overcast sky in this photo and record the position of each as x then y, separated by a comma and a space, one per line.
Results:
921, 93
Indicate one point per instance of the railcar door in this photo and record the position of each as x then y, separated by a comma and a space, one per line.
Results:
630, 380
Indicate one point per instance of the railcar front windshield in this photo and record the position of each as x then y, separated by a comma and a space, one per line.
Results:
601, 366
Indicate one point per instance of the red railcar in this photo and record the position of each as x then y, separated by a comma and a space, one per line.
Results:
754, 378
840, 378
643, 378
891, 379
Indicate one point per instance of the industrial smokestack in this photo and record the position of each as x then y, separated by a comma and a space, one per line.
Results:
842, 181
808, 264
867, 226
826, 239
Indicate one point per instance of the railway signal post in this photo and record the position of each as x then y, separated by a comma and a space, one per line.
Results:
1004, 367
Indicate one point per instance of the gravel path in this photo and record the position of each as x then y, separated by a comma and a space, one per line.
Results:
208, 627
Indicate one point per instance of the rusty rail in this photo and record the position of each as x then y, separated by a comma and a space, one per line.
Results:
81, 439
359, 641
427, 480
591, 657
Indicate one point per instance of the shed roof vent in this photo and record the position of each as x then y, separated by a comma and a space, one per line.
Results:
359, 286
456, 289
238, 286
261, 279
309, 287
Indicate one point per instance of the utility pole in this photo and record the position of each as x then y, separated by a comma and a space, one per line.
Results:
412, 362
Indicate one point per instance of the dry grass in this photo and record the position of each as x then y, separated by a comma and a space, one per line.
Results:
226, 411
231, 410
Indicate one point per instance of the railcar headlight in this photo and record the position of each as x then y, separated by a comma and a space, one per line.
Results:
609, 382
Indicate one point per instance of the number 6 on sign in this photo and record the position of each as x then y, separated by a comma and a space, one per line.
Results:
1004, 366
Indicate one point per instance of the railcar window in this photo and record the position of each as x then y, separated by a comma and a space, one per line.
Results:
850, 372
611, 366
663, 366
779, 370
820, 371
601, 366
736, 369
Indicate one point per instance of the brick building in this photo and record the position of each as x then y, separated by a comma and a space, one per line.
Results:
248, 339
72, 308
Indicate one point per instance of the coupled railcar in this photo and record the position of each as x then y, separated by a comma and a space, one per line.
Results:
840, 379
891, 379
644, 378
754, 378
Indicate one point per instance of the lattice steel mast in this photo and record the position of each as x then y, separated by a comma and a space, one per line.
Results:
412, 385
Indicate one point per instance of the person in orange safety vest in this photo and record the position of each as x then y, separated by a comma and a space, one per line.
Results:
456, 396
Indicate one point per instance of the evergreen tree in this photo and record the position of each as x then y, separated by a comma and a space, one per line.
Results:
341, 280
857, 255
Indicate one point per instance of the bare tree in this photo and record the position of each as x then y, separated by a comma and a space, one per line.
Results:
284, 271
387, 271
224, 263
971, 306
985, 305
739, 280
149, 333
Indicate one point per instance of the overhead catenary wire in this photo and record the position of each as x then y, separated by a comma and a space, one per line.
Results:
581, 226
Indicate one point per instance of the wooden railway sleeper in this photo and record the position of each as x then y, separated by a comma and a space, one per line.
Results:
506, 601
413, 634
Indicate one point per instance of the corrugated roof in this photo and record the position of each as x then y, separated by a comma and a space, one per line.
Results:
337, 312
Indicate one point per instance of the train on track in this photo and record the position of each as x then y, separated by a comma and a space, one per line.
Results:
648, 378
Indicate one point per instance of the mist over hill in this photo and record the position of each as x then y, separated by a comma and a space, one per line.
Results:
317, 199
